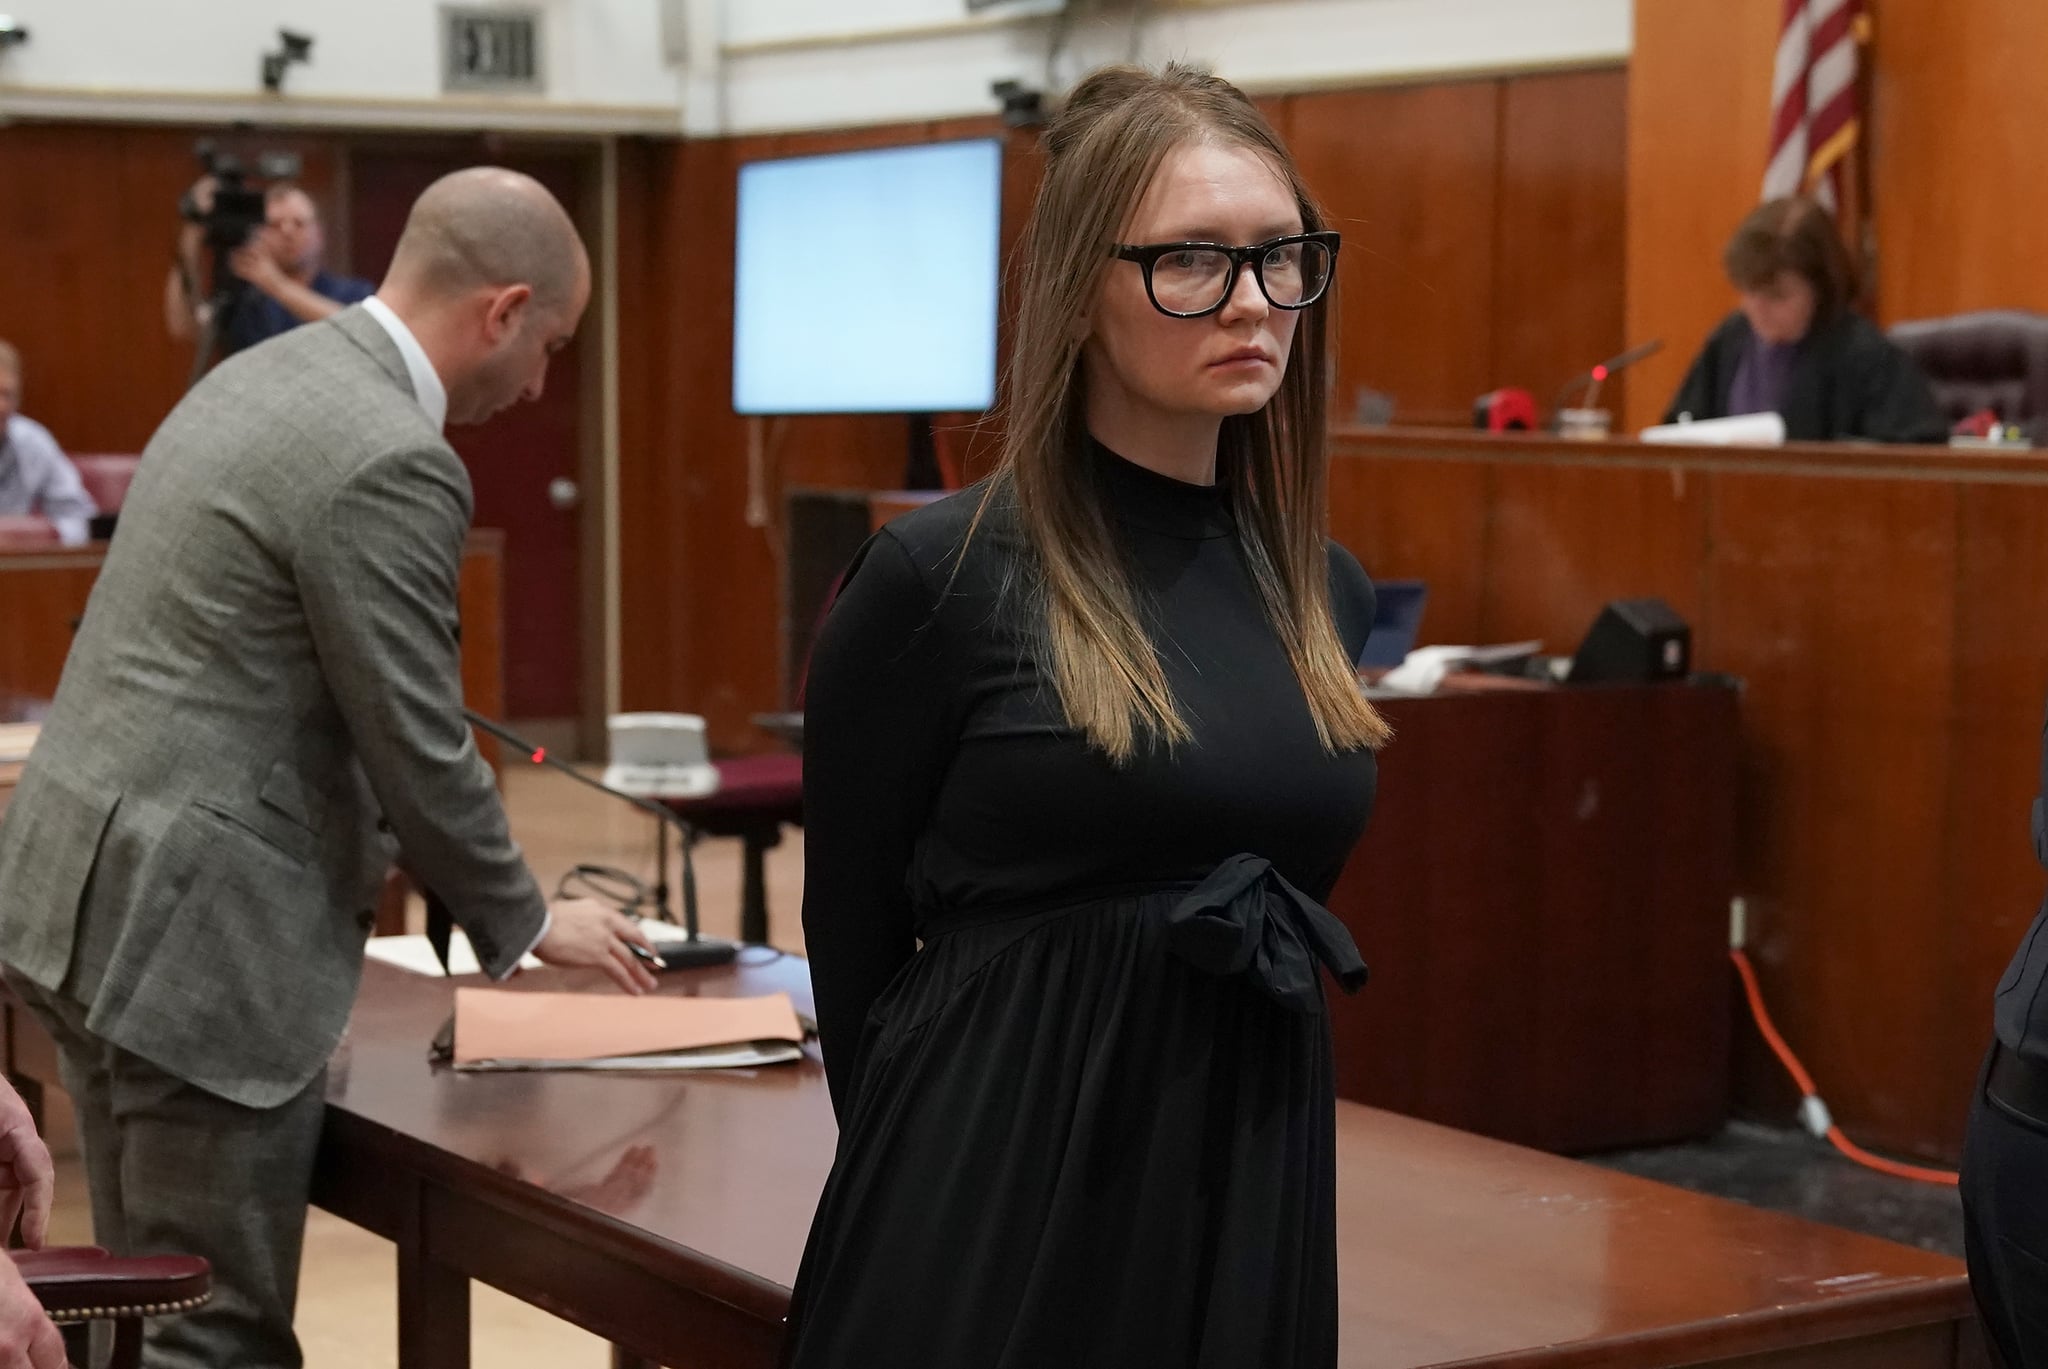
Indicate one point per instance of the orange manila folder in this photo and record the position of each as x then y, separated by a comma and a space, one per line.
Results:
501, 1029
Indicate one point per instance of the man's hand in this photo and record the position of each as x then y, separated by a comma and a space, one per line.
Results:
255, 263
28, 1181
28, 1340
584, 932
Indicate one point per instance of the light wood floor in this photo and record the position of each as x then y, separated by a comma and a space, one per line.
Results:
348, 1306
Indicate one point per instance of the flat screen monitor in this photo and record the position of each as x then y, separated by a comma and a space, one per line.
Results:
866, 282
1396, 623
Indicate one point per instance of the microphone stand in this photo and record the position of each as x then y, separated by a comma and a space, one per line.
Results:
1600, 374
690, 951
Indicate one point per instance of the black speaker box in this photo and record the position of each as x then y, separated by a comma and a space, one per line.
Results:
1634, 641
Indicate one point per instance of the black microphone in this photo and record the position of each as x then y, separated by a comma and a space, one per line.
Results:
1600, 374
692, 950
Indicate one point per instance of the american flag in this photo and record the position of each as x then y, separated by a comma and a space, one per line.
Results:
1816, 100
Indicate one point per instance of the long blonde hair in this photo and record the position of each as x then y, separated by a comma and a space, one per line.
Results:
1102, 150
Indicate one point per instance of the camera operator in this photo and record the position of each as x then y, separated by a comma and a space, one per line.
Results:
279, 266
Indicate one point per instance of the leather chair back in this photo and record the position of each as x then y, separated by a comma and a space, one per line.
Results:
1996, 359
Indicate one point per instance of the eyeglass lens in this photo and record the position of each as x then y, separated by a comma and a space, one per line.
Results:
1195, 279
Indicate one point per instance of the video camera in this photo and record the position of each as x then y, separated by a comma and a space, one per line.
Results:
238, 209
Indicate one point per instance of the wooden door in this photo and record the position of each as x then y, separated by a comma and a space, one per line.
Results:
516, 459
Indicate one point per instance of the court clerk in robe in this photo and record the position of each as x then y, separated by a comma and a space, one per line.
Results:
1091, 734
1798, 348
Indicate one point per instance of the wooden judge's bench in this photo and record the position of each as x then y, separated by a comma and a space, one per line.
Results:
1884, 611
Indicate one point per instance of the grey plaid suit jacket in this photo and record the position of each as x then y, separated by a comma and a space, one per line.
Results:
262, 706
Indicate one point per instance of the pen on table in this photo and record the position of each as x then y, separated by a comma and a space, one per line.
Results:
646, 955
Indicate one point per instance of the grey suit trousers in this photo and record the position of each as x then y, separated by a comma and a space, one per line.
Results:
172, 1168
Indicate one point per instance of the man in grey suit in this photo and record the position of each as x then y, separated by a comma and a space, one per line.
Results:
261, 711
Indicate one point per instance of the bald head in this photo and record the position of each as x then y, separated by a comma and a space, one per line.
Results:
491, 279
485, 228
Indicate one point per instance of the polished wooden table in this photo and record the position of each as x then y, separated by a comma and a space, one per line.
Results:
668, 1214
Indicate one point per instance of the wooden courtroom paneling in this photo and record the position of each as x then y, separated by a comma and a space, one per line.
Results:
45, 594
684, 549
1698, 133
1409, 176
1992, 883
1834, 600
1882, 609
1560, 235
1419, 520
87, 230
1563, 859
1960, 179
1580, 536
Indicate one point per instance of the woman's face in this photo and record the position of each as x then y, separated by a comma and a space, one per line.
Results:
1228, 362
1781, 312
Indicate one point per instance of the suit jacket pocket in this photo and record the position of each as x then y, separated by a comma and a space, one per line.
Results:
251, 980
285, 792
273, 829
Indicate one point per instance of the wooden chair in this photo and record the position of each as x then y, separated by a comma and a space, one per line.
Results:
81, 1285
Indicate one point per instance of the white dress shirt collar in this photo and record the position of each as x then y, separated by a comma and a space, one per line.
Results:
426, 382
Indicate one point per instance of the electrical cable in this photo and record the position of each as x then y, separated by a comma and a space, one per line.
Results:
1813, 1113
605, 884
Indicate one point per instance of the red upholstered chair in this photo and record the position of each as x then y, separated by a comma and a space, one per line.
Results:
81, 1285
106, 478
26, 532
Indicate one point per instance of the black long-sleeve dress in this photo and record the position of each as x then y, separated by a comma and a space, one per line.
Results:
1072, 1013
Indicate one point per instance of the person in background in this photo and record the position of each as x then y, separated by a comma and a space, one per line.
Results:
36, 478
2005, 1146
282, 267
1797, 347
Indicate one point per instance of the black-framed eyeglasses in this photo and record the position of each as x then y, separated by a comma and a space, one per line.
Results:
1194, 279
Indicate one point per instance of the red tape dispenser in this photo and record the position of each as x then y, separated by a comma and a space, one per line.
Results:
1505, 411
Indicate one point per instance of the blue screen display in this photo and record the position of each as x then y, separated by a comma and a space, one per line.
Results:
866, 282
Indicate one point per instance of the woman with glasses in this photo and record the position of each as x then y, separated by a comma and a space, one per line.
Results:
1084, 749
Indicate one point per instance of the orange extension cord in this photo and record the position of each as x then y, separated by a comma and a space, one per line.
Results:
1812, 1112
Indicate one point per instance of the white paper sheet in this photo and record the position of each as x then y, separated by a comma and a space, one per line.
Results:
416, 954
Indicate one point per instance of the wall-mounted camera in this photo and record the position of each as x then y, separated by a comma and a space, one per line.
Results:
292, 48
1023, 107
13, 33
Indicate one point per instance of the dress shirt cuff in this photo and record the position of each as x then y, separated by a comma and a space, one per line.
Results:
73, 532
